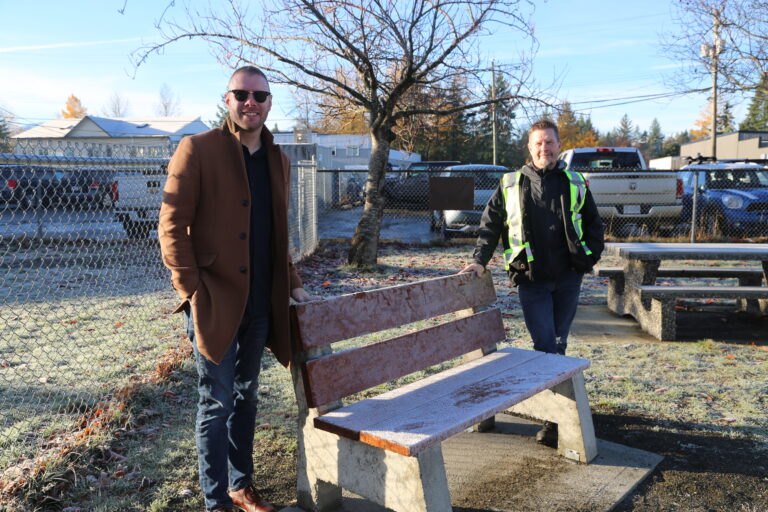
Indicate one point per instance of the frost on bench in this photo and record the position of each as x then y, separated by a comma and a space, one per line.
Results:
387, 447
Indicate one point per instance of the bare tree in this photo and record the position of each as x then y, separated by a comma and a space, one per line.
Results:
365, 55
741, 55
169, 103
117, 106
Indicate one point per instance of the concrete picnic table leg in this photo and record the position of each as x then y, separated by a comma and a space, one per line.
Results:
637, 273
764, 302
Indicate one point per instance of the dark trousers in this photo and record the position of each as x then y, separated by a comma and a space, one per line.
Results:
226, 412
549, 309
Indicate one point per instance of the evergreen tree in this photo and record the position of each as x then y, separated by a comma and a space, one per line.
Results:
725, 118
221, 115
575, 132
5, 134
654, 140
482, 141
590, 137
625, 134
757, 115
568, 126
671, 145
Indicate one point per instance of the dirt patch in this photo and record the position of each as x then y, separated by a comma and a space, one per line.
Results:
701, 471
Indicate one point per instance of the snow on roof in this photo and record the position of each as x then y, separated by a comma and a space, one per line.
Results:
119, 127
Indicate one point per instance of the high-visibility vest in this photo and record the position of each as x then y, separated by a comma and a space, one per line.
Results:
510, 184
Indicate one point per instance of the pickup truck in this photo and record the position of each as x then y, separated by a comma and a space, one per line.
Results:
628, 194
138, 197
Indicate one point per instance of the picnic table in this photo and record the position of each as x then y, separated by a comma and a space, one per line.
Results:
633, 289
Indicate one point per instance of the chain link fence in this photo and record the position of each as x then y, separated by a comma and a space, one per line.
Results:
86, 301
727, 205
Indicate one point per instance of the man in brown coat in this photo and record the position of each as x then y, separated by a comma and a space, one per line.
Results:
224, 235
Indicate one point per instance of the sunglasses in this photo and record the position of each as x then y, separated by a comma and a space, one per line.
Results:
258, 96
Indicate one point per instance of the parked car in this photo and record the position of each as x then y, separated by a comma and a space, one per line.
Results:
27, 186
626, 192
87, 187
732, 198
466, 222
411, 187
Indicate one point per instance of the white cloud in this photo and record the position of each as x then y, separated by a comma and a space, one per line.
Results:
52, 46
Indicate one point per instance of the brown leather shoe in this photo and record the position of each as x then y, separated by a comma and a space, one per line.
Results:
248, 500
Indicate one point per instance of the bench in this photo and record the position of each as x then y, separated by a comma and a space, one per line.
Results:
746, 276
660, 301
387, 447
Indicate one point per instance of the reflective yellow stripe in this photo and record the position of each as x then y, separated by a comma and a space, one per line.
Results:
510, 184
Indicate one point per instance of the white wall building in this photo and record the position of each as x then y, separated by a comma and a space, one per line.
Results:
102, 136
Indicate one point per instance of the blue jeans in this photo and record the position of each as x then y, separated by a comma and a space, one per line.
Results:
226, 412
549, 309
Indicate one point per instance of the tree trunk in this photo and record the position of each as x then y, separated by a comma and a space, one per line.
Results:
365, 243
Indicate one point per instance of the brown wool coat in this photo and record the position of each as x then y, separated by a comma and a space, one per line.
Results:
204, 229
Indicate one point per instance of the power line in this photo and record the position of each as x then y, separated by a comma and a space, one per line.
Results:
633, 99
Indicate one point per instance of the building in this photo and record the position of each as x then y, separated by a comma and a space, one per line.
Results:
107, 137
344, 151
739, 144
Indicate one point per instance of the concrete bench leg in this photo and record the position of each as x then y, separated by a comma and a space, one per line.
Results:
317, 471
615, 297
403, 484
565, 404
750, 305
661, 320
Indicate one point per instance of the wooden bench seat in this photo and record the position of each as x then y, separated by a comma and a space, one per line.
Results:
660, 302
387, 447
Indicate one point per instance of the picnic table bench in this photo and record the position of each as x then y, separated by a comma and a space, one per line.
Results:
387, 447
746, 276
662, 309
635, 290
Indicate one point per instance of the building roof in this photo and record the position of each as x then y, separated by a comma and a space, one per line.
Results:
93, 126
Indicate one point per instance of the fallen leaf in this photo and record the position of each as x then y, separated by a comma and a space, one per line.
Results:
146, 483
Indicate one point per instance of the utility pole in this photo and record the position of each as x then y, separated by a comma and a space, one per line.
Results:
712, 52
493, 107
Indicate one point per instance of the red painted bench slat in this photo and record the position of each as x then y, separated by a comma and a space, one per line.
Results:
357, 314
344, 373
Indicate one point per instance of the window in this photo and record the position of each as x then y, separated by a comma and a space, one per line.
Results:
353, 150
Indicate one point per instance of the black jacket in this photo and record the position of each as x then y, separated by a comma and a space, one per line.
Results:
545, 196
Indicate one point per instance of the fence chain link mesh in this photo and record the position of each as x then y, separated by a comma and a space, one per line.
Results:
86, 302
730, 206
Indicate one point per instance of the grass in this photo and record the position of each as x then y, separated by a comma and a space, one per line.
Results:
127, 349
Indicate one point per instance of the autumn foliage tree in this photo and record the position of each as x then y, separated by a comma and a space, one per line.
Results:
573, 133
73, 109
367, 56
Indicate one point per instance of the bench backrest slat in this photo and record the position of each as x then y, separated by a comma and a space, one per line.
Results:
341, 374
347, 316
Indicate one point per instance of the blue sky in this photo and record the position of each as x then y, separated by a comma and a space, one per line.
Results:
596, 51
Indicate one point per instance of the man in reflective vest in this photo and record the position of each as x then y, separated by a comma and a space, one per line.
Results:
552, 234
